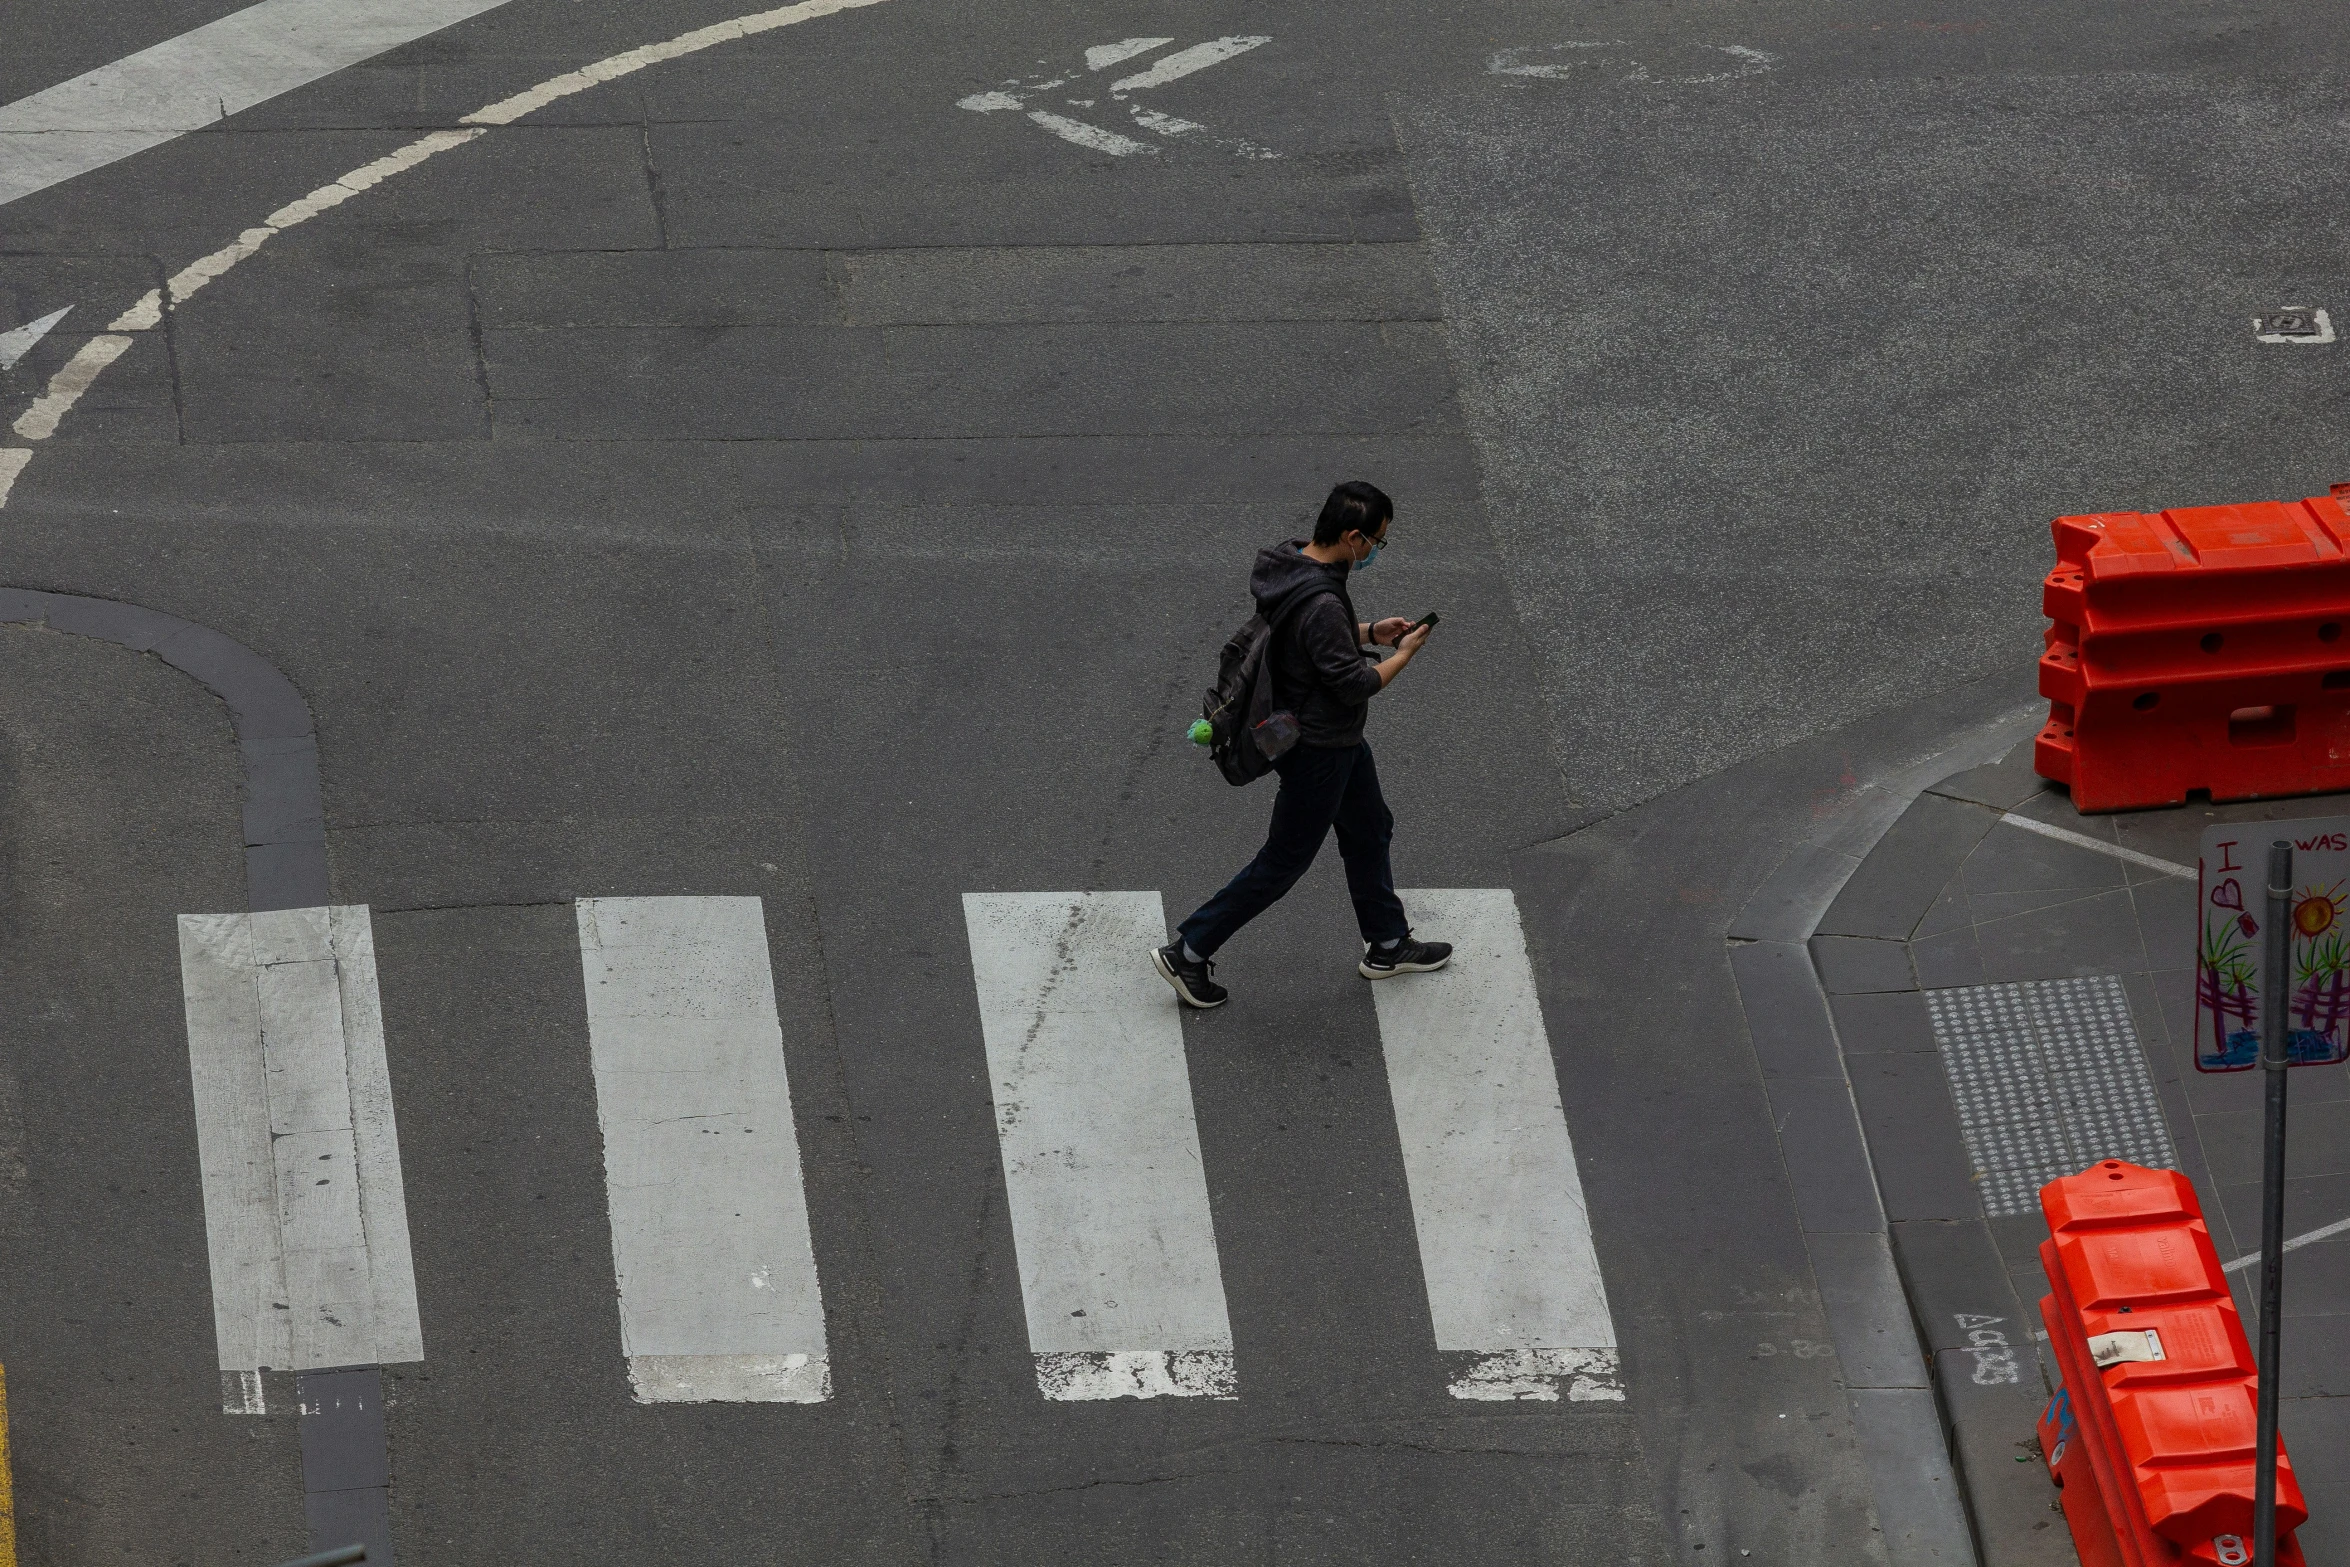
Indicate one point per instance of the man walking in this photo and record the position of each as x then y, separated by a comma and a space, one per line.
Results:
1328, 781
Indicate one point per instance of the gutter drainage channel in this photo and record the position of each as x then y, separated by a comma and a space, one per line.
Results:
1921, 1507
346, 1479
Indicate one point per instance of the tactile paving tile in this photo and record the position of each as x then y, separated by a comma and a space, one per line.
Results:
2048, 1079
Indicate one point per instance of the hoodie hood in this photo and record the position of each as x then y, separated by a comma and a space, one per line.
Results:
1284, 571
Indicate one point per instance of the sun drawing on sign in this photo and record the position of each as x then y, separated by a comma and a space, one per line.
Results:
2318, 911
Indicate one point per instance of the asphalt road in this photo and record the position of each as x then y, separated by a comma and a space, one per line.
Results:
761, 475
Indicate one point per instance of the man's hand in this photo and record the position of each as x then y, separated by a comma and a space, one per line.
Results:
1392, 665
1384, 632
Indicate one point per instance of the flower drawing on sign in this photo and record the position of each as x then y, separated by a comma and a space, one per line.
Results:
2321, 978
2225, 971
2228, 959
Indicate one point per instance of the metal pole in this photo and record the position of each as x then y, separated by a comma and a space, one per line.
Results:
2275, 1001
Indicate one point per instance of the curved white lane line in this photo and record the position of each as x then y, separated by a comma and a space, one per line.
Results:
39, 421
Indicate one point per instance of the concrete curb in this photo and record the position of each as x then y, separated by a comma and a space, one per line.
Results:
1972, 1281
1921, 1509
285, 808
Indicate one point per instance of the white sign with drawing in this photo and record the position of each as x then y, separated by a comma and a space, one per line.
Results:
2231, 903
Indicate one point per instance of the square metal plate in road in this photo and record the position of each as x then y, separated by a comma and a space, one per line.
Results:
2294, 324
2048, 1080
2291, 323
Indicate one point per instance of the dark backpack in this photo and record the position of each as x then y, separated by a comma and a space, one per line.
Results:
1245, 735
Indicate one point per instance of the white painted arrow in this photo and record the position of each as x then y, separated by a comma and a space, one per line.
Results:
17, 342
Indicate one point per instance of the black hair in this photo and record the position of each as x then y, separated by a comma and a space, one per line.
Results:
1353, 507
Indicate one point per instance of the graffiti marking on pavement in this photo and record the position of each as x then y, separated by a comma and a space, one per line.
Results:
1015, 96
1995, 1362
1563, 62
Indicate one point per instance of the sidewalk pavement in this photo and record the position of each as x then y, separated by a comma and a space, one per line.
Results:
1963, 932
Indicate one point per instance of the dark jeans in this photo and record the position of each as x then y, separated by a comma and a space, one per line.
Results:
1321, 788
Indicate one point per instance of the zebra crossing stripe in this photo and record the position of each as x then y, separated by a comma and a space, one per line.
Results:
1505, 1242
304, 1213
717, 1275
1109, 1204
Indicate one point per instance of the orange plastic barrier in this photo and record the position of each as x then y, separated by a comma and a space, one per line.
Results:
2152, 1438
2198, 650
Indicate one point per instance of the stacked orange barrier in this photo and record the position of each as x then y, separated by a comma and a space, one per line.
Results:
2198, 650
2154, 1449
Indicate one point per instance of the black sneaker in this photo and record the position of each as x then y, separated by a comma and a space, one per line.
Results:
1190, 979
1405, 957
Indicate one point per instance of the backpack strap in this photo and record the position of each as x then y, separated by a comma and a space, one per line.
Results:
1296, 606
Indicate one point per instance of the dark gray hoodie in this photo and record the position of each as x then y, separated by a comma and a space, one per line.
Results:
1319, 672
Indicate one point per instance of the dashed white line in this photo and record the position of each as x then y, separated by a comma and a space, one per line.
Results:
719, 1299
1505, 1242
304, 1215
200, 77
383, 1194
1101, 1154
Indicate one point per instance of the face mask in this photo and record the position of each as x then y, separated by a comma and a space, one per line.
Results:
1365, 563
